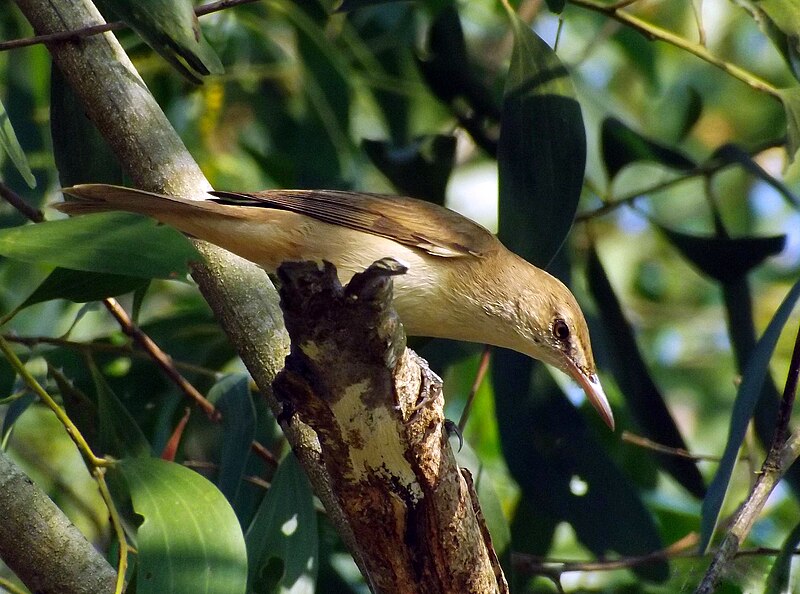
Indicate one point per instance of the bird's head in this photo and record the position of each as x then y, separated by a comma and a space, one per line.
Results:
556, 333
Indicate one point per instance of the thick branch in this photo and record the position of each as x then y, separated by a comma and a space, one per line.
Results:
378, 412
41, 545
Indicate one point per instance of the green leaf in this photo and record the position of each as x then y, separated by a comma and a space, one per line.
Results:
10, 144
492, 509
542, 149
564, 472
725, 259
420, 169
791, 105
282, 545
106, 242
231, 396
81, 153
622, 146
189, 540
118, 433
746, 398
556, 6
171, 28
780, 20
778, 578
644, 399
81, 287
730, 153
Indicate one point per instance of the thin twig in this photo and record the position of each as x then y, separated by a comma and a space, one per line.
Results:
105, 27
483, 365
652, 31
18, 202
775, 465
649, 444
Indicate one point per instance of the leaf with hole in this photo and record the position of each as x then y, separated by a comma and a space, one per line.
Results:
282, 545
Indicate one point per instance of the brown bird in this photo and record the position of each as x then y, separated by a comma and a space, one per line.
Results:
462, 283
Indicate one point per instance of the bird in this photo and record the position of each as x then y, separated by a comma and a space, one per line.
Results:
462, 283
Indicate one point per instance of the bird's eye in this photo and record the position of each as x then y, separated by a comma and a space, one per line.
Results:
560, 329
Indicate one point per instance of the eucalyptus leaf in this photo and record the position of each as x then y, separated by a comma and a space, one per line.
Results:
104, 242
420, 169
81, 286
542, 150
171, 28
778, 578
11, 146
231, 396
644, 399
81, 153
118, 433
722, 258
730, 153
622, 146
189, 540
563, 471
747, 397
780, 20
282, 545
791, 105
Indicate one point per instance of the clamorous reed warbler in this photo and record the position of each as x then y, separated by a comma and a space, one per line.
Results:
462, 283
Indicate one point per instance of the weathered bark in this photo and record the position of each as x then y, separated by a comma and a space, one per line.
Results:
39, 543
378, 412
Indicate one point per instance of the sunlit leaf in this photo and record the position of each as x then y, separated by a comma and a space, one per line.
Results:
11, 146
171, 28
81, 286
622, 146
189, 540
746, 398
105, 242
282, 546
644, 399
722, 258
542, 149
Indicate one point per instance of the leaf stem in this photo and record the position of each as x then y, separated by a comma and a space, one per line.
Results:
116, 523
72, 430
655, 32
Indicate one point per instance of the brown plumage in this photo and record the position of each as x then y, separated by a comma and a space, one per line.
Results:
462, 283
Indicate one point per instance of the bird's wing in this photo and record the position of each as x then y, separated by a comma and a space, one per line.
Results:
416, 223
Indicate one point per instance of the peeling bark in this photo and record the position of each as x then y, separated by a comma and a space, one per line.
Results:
377, 410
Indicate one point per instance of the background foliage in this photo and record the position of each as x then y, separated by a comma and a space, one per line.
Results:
686, 244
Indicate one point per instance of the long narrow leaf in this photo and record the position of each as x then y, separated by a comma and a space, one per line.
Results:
749, 391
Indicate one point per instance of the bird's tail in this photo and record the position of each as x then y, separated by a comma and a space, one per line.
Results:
102, 198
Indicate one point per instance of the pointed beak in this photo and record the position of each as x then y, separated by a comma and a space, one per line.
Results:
594, 391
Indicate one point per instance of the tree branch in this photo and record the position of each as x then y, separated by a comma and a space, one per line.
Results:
37, 541
378, 412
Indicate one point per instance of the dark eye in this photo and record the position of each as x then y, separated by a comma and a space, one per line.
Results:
560, 329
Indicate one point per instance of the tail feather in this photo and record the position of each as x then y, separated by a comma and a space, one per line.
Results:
103, 198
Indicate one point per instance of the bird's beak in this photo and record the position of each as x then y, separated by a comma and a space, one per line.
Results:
594, 391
